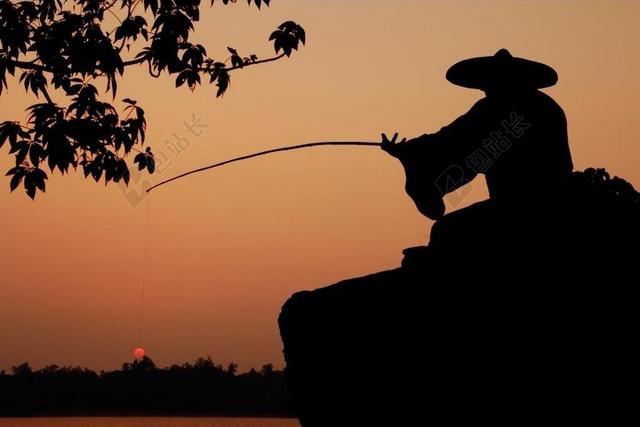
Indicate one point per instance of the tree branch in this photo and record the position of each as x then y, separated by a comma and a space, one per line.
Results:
29, 65
46, 95
134, 61
262, 61
109, 6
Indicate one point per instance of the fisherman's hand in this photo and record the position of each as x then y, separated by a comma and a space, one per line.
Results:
390, 146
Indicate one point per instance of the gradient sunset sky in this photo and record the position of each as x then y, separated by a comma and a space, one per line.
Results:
227, 248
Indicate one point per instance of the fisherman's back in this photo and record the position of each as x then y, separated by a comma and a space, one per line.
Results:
530, 147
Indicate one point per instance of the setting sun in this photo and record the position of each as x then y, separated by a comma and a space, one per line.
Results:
138, 353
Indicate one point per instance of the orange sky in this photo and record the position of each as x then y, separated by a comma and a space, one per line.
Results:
227, 248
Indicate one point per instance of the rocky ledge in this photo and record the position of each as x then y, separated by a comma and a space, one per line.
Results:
511, 315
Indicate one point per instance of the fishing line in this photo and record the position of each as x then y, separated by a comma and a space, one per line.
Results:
145, 252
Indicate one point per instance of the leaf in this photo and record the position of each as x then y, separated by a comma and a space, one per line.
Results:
259, 2
15, 170
36, 152
182, 77
10, 131
214, 76
30, 186
121, 33
151, 163
22, 154
302, 36
15, 181
141, 159
96, 171
193, 79
113, 83
152, 4
237, 61
223, 82
122, 171
39, 176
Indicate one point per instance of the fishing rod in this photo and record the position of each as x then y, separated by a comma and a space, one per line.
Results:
262, 153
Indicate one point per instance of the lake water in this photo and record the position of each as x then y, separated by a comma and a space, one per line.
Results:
147, 422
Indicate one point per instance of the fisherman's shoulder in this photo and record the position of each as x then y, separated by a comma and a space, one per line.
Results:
544, 97
481, 107
546, 103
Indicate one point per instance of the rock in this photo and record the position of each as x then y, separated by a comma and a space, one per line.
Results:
510, 315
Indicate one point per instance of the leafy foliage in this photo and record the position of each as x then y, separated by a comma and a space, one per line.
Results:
612, 191
62, 46
287, 37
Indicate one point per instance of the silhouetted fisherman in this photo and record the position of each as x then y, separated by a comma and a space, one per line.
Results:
516, 136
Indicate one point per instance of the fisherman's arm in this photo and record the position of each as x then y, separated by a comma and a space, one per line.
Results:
446, 151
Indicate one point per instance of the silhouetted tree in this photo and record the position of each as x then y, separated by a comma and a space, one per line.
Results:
71, 45
232, 369
267, 369
144, 364
140, 387
23, 369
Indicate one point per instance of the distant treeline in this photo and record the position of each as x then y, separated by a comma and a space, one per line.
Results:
141, 388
